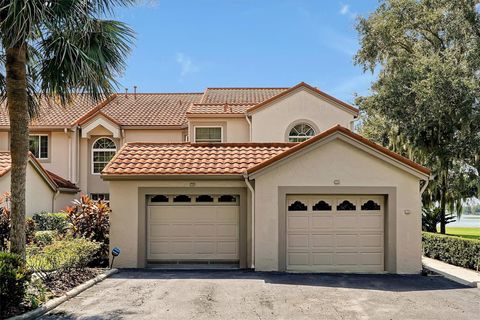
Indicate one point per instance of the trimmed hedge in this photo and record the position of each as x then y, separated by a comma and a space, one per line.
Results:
450, 249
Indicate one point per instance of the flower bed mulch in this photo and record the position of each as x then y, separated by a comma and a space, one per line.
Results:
62, 283
57, 285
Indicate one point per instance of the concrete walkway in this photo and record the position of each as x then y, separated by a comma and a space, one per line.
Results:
461, 275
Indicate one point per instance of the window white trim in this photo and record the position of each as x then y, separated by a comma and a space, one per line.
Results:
195, 134
93, 150
296, 123
40, 144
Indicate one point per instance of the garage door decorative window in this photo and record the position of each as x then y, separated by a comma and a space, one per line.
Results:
227, 198
182, 198
346, 206
297, 206
322, 206
204, 198
370, 205
103, 151
300, 133
159, 198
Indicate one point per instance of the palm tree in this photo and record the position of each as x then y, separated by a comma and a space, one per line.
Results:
52, 49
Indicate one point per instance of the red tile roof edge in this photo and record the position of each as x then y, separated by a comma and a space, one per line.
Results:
349, 133
62, 182
305, 85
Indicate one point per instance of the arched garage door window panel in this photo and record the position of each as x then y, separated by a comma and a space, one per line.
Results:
204, 198
159, 198
346, 206
301, 132
182, 198
370, 205
322, 206
297, 206
227, 198
103, 150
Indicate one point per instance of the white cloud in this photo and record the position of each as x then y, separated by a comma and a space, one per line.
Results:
344, 9
186, 64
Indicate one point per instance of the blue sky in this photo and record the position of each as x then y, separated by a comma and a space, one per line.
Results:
186, 46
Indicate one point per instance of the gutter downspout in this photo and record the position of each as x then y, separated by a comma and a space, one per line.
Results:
425, 185
69, 137
252, 192
55, 195
249, 126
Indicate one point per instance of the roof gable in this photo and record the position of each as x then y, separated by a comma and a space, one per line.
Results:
400, 161
54, 181
302, 85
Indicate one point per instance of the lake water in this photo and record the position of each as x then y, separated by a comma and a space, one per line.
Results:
470, 221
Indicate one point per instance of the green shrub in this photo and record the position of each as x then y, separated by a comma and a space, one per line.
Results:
62, 255
51, 221
43, 238
5, 229
91, 220
454, 250
13, 281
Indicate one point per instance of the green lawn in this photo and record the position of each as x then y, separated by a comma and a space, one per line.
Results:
471, 233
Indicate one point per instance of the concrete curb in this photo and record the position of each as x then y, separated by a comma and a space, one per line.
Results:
454, 273
51, 304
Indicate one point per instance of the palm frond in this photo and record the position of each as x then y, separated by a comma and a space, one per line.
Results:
85, 60
19, 20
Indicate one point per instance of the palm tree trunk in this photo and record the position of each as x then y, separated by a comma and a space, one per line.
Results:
16, 83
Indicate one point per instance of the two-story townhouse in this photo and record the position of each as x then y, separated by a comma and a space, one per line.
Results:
267, 178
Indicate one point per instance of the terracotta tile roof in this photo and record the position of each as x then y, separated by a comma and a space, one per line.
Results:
52, 178
52, 114
239, 95
190, 158
150, 109
61, 182
309, 87
347, 132
217, 108
5, 162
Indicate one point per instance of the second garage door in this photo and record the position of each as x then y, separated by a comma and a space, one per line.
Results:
335, 233
193, 228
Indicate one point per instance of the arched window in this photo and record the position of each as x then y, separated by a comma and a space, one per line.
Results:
301, 132
103, 151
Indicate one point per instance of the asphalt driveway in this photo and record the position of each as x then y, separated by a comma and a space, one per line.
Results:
254, 295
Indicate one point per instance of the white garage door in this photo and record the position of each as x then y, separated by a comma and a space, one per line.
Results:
335, 233
193, 228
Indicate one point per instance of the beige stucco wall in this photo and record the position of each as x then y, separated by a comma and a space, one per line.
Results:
63, 200
338, 160
124, 202
137, 135
39, 195
271, 123
4, 142
234, 129
60, 147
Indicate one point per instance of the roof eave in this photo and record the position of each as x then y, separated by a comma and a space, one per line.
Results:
117, 177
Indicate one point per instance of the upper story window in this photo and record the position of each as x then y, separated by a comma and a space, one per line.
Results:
38, 145
300, 133
208, 134
103, 151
